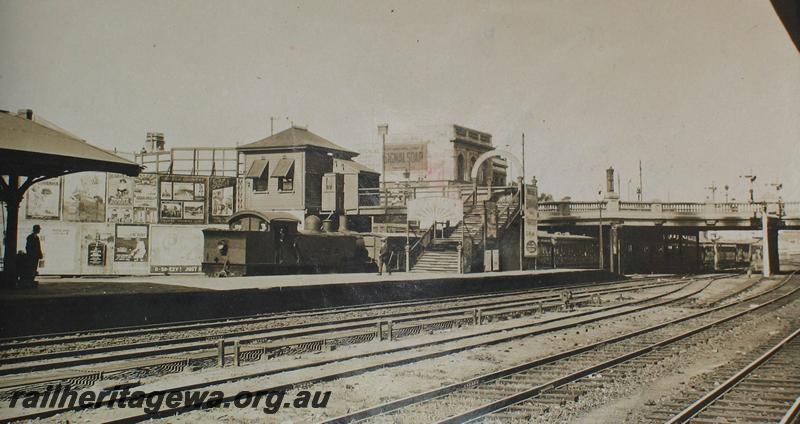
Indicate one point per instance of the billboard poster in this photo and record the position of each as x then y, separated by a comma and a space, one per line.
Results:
44, 200
131, 243
176, 248
182, 199
222, 199
491, 219
119, 214
97, 248
145, 199
85, 197
120, 190
411, 156
531, 249
60, 246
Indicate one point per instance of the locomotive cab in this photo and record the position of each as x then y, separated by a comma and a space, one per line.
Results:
253, 240
259, 243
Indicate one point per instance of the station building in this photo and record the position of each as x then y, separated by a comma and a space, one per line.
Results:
285, 172
441, 154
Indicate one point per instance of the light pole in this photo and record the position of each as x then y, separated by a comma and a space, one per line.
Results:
713, 188
600, 228
752, 179
383, 130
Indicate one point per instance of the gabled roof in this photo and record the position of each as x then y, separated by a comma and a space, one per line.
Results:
31, 148
295, 137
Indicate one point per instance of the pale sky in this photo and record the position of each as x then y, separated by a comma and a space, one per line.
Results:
700, 91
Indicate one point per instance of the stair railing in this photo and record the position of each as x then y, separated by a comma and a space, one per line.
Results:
511, 211
415, 251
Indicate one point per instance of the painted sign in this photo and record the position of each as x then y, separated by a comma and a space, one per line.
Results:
183, 199
176, 249
222, 199
401, 157
44, 200
131, 243
435, 209
85, 197
531, 245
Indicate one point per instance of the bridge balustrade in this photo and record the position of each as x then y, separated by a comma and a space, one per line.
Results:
635, 206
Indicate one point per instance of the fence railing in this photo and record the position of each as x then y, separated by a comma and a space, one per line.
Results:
416, 250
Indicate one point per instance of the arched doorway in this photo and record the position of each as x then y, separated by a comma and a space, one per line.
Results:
460, 171
473, 177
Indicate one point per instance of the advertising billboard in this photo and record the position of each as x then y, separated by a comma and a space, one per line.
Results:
411, 156
44, 200
145, 199
97, 248
222, 199
182, 199
531, 245
130, 244
85, 197
120, 198
176, 249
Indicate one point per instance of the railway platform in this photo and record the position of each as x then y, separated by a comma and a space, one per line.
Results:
75, 304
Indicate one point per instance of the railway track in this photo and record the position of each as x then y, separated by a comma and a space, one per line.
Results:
323, 314
766, 390
529, 390
441, 347
131, 362
14, 351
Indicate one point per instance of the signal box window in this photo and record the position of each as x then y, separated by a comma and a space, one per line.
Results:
284, 172
259, 173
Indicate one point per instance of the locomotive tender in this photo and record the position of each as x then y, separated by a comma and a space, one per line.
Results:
258, 243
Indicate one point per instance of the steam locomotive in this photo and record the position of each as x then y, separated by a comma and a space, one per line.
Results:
258, 243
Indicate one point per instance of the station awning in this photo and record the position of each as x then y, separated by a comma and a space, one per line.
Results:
258, 169
30, 149
283, 168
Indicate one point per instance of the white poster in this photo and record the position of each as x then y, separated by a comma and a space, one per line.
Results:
44, 199
176, 248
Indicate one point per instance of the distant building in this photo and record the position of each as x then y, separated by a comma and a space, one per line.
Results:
440, 153
284, 172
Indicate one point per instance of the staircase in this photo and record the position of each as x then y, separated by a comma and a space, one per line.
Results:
443, 257
442, 254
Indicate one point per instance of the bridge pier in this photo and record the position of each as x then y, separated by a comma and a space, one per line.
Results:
769, 257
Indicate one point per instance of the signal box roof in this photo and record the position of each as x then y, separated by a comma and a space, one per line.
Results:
296, 138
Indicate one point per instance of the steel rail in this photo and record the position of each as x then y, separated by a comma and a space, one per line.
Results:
91, 335
201, 342
535, 391
712, 396
792, 414
400, 403
402, 361
246, 349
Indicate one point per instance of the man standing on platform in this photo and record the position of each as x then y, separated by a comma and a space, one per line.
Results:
385, 257
33, 250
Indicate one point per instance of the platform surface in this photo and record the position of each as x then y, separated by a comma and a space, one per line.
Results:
87, 286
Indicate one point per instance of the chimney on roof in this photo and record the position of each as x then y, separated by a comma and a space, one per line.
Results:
25, 113
155, 142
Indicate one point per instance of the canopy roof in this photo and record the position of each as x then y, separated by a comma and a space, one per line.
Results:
30, 148
293, 138
264, 216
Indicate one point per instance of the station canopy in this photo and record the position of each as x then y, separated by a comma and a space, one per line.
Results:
33, 150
